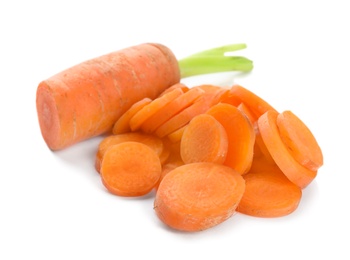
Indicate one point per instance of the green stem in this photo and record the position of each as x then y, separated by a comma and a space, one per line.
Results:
215, 60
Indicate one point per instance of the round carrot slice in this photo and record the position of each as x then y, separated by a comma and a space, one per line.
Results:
204, 140
294, 171
269, 194
122, 125
198, 196
130, 169
299, 140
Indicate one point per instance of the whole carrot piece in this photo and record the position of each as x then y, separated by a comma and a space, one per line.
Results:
87, 99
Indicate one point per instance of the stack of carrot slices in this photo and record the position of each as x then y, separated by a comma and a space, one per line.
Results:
208, 152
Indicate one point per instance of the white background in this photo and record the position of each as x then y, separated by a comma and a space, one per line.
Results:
53, 205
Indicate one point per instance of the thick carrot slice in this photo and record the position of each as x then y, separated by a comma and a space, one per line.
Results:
299, 140
87, 99
171, 109
130, 169
201, 105
204, 140
255, 103
149, 110
123, 123
150, 140
240, 133
269, 194
294, 171
198, 196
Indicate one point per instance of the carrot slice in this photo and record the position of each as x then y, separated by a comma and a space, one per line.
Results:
204, 140
157, 104
269, 194
176, 135
246, 111
124, 173
259, 142
240, 133
294, 171
150, 140
123, 123
198, 196
171, 109
255, 103
201, 105
182, 86
299, 140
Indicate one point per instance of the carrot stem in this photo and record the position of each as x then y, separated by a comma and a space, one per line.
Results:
218, 59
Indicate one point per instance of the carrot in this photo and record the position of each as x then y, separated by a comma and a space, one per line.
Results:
124, 173
149, 110
180, 85
269, 194
259, 142
299, 140
177, 134
294, 171
123, 123
198, 196
204, 140
168, 167
87, 99
255, 103
171, 109
246, 111
210, 96
240, 133
150, 140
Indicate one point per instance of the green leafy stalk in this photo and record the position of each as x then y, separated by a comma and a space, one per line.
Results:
215, 60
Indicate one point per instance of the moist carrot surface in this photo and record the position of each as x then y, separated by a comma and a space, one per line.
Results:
150, 140
294, 171
197, 196
299, 140
269, 194
240, 133
124, 173
204, 140
87, 99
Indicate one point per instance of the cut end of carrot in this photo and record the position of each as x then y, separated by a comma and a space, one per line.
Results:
50, 124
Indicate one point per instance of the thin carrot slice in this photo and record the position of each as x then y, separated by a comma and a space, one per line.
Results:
240, 133
200, 106
299, 140
198, 196
255, 103
294, 171
204, 140
130, 169
123, 123
246, 111
269, 194
182, 86
157, 104
150, 140
259, 142
171, 109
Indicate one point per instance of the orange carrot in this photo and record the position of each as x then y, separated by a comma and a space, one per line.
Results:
171, 109
269, 194
124, 173
198, 196
156, 105
87, 99
259, 142
246, 111
299, 140
210, 96
182, 86
294, 171
255, 103
204, 140
240, 133
123, 123
150, 140
176, 135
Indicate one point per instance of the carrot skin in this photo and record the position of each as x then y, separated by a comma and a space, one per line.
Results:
74, 105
